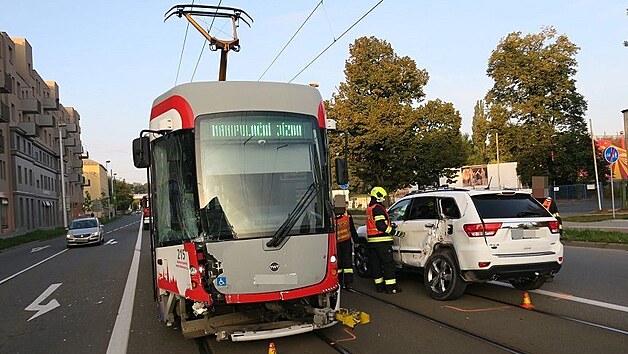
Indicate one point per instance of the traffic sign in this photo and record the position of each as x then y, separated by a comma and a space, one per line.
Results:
344, 186
611, 155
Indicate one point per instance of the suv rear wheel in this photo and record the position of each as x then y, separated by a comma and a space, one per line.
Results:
527, 283
442, 278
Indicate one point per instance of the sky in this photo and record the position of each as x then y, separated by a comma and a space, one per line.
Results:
111, 59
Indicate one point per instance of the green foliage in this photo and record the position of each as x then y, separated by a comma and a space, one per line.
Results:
595, 236
123, 195
479, 153
140, 188
87, 202
392, 142
535, 107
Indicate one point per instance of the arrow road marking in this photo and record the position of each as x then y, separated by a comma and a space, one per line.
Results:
111, 241
42, 309
36, 249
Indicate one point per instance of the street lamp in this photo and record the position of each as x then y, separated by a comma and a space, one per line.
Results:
108, 194
63, 201
113, 178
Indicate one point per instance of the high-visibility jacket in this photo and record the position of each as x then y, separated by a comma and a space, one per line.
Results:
343, 229
372, 232
547, 203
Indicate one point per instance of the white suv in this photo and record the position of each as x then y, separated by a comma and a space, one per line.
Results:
457, 236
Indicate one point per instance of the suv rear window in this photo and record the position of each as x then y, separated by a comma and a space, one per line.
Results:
494, 206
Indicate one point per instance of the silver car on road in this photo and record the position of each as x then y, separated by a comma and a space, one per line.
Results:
85, 231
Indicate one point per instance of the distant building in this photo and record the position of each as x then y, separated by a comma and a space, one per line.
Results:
97, 185
31, 120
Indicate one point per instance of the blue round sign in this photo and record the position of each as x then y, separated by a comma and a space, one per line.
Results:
611, 155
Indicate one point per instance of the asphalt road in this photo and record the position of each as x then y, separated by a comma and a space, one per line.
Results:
70, 302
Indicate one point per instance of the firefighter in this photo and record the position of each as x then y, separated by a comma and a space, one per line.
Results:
550, 204
345, 232
379, 232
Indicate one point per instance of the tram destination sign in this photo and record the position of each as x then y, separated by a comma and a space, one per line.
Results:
269, 130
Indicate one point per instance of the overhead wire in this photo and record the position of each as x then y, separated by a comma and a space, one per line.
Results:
182, 49
204, 42
336, 40
290, 40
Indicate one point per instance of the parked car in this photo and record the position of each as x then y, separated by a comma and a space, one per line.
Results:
458, 236
85, 231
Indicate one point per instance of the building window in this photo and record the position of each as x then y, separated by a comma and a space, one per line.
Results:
4, 206
1, 141
19, 174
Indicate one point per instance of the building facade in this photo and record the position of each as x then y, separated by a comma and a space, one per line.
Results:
31, 123
96, 187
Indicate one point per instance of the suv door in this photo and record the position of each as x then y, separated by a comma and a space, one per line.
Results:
420, 222
397, 214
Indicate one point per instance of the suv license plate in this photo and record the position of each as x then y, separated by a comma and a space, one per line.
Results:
523, 234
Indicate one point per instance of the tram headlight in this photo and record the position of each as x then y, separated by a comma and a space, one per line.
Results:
332, 259
193, 271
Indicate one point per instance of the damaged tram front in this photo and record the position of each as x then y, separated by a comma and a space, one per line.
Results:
243, 239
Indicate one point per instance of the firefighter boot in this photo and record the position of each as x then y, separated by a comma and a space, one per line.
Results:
392, 289
379, 287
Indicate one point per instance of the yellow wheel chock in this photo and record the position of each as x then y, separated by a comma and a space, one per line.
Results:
352, 317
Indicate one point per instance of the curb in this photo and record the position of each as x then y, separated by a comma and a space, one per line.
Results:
612, 246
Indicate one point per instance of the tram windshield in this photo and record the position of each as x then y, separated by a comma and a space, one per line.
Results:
254, 168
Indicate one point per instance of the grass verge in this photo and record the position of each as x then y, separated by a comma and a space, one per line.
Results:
39, 235
595, 236
593, 218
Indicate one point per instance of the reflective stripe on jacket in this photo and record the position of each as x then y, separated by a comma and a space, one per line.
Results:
372, 232
343, 231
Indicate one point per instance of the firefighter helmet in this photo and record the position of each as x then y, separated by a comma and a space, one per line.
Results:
378, 193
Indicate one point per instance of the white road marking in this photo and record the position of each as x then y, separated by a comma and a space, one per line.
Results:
31, 267
570, 298
111, 242
119, 340
42, 309
37, 249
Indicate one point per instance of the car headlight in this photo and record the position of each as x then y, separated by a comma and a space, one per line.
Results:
69, 236
95, 233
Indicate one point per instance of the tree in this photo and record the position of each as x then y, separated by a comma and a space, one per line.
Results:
140, 188
480, 133
87, 203
534, 105
123, 195
392, 143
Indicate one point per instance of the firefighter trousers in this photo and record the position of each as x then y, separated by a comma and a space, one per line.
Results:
345, 264
382, 265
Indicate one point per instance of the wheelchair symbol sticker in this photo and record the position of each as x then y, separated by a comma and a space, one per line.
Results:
221, 281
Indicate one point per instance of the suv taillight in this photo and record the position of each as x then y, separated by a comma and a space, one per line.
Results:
554, 226
146, 212
481, 230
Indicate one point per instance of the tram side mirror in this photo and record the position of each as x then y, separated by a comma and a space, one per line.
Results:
342, 172
141, 152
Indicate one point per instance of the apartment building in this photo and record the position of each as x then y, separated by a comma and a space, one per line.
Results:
31, 123
97, 185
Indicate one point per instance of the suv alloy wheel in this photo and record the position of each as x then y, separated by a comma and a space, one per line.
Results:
441, 277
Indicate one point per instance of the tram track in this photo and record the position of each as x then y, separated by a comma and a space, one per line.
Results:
502, 346
547, 313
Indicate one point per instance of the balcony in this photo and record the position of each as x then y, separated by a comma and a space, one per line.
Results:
30, 105
69, 142
50, 103
5, 83
45, 120
4, 113
77, 164
28, 127
77, 150
72, 128
76, 178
